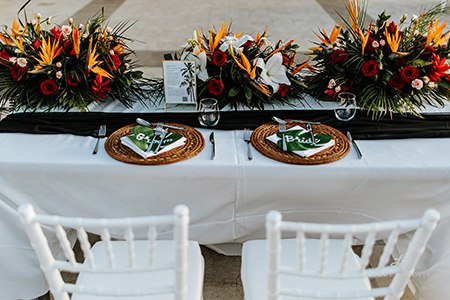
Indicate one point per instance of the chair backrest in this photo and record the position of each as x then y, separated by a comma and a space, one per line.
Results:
401, 271
51, 266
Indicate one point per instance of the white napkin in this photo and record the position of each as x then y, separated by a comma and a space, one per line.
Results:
304, 153
146, 154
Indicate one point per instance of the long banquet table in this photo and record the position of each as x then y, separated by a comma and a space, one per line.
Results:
228, 196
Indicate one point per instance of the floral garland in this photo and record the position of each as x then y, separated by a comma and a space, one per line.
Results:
69, 66
390, 67
243, 71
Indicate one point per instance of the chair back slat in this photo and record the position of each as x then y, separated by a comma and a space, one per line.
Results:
348, 267
151, 236
388, 248
346, 251
368, 249
301, 250
106, 238
127, 263
323, 256
65, 244
129, 238
85, 246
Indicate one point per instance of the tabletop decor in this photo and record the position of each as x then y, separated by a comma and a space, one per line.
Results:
241, 70
46, 66
339, 150
390, 67
193, 145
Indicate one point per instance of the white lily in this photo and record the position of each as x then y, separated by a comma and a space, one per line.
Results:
273, 72
200, 62
235, 42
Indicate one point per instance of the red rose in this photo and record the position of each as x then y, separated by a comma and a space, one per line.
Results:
215, 87
370, 68
219, 58
73, 79
115, 62
69, 50
36, 44
331, 92
283, 89
49, 87
409, 73
248, 44
401, 61
397, 82
347, 87
338, 56
369, 46
17, 72
4, 57
392, 28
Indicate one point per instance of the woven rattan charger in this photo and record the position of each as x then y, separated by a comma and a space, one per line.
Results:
267, 148
193, 146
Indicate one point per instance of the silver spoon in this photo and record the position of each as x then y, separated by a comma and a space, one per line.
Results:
148, 124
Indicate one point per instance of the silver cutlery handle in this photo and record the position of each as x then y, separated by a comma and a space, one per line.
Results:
163, 135
358, 152
284, 142
249, 150
213, 153
96, 146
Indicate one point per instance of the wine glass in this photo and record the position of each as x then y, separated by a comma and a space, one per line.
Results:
346, 109
208, 112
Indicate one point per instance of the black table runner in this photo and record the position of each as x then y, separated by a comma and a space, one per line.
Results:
361, 127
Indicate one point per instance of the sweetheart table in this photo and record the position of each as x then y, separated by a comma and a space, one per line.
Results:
228, 196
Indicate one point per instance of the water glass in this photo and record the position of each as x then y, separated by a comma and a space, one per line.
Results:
346, 109
208, 112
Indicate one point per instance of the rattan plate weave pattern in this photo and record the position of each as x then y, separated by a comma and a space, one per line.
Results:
270, 150
193, 146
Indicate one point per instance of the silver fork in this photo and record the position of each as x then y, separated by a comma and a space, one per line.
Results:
158, 132
247, 134
282, 130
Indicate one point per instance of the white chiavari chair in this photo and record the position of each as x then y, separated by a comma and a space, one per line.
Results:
120, 269
325, 267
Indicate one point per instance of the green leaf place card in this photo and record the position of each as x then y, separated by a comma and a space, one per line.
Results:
299, 141
142, 137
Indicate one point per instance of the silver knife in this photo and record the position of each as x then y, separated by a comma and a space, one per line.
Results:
213, 142
354, 145
313, 139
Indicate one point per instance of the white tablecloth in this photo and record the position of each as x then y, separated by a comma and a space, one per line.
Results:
228, 196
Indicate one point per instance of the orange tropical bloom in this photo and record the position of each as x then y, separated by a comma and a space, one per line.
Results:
364, 38
93, 64
246, 65
439, 68
76, 41
300, 67
353, 12
393, 39
48, 52
329, 40
214, 41
258, 38
435, 34
281, 48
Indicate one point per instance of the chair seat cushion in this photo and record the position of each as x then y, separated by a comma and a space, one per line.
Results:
164, 253
254, 269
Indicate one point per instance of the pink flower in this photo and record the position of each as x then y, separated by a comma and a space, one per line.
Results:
375, 44
382, 42
59, 74
417, 84
337, 89
59, 64
22, 62
431, 84
331, 83
66, 30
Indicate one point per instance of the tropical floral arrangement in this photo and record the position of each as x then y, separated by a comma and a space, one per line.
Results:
243, 71
62, 67
390, 67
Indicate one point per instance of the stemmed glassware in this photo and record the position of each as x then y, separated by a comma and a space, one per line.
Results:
208, 112
346, 109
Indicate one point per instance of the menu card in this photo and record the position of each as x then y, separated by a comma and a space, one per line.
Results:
142, 138
299, 141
